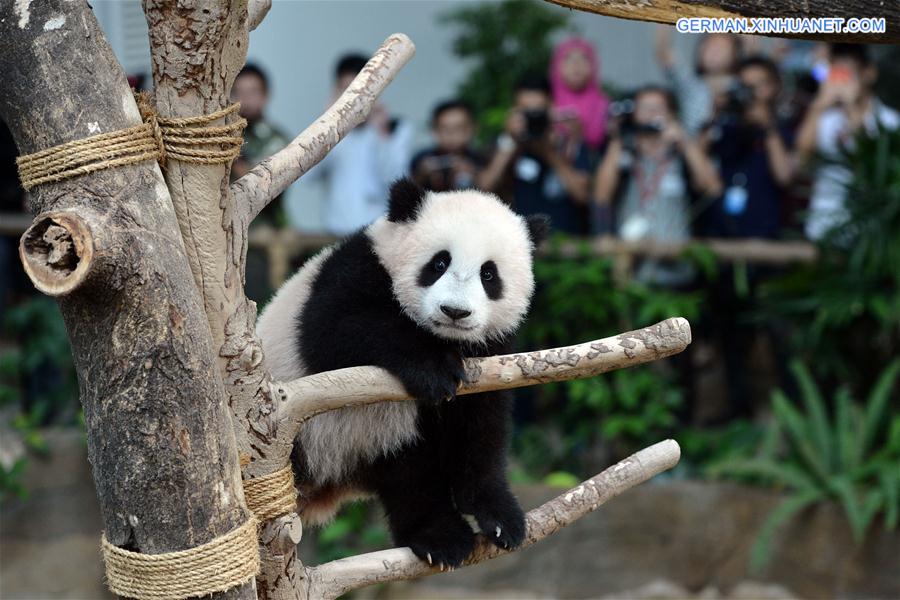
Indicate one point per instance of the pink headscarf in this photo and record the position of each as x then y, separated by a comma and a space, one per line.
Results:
590, 103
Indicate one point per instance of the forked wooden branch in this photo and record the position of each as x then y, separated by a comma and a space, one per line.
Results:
256, 189
256, 12
669, 11
333, 579
355, 386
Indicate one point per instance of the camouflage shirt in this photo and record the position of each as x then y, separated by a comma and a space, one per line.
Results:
262, 140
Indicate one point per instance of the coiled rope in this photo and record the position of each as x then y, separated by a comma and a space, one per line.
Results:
271, 495
186, 139
218, 565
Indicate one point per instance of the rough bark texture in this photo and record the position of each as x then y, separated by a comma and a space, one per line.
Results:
669, 11
333, 579
160, 442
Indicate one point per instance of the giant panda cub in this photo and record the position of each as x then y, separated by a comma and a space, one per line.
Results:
442, 276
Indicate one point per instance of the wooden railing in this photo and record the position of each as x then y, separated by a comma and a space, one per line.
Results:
283, 246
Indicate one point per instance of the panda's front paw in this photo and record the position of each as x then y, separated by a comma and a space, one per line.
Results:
434, 380
445, 544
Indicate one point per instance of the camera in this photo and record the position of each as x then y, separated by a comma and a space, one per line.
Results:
623, 111
737, 98
537, 122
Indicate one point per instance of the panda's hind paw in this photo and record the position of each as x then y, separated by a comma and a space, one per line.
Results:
505, 529
443, 546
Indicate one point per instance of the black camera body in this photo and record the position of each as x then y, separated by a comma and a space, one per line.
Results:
537, 122
623, 110
737, 99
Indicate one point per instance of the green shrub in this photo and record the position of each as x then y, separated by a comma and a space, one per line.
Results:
851, 456
42, 344
502, 41
845, 309
577, 300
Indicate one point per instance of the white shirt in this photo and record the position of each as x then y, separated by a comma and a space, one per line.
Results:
827, 202
358, 173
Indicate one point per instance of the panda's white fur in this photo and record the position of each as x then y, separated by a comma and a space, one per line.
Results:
474, 227
335, 440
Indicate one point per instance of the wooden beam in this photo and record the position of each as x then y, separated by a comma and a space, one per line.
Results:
669, 11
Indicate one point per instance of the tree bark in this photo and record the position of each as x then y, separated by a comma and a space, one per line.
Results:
160, 442
669, 11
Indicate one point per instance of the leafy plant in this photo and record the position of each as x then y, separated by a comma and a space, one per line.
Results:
845, 308
502, 41
851, 457
37, 382
604, 417
38, 374
356, 529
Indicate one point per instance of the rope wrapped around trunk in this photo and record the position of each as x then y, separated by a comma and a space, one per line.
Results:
188, 139
218, 565
271, 495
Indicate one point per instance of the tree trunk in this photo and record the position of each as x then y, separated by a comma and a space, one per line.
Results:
160, 441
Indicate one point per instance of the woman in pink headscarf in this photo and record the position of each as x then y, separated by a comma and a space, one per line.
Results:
577, 99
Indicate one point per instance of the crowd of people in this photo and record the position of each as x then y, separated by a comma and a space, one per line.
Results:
720, 149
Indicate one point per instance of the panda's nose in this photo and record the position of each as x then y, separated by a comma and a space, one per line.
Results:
455, 313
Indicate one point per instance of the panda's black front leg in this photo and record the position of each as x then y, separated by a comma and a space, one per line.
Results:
419, 505
474, 439
429, 369
431, 376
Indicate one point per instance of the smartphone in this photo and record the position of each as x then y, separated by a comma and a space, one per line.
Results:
840, 74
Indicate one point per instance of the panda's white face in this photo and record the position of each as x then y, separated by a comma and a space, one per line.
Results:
462, 268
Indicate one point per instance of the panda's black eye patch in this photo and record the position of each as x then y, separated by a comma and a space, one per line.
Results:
490, 279
434, 268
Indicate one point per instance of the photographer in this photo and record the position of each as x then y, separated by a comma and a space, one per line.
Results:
649, 172
451, 164
752, 150
844, 107
529, 162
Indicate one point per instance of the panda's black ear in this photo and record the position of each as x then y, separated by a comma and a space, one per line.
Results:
538, 228
405, 199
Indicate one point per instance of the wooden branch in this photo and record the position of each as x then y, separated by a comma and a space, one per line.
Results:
267, 180
752, 250
336, 578
355, 386
669, 11
256, 12
57, 251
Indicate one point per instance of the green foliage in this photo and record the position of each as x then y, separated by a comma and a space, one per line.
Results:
845, 309
354, 530
851, 457
703, 448
502, 41
577, 300
38, 329
10, 480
